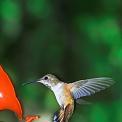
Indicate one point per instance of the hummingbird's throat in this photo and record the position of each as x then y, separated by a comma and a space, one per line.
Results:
47, 85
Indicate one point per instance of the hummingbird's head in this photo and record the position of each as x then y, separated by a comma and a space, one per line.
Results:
49, 80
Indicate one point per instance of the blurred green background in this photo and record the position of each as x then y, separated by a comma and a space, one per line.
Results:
72, 39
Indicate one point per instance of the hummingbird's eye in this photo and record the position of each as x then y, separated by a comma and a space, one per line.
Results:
45, 78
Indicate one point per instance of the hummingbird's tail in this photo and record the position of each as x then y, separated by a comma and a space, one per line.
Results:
59, 116
63, 114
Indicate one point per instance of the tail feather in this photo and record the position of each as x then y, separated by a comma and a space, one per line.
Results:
63, 115
68, 112
59, 116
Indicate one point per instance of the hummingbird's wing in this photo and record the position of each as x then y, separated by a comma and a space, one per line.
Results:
89, 86
81, 101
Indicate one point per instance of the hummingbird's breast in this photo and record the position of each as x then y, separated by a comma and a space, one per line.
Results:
63, 94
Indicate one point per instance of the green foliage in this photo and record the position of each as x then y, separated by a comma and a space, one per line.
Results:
72, 39
99, 114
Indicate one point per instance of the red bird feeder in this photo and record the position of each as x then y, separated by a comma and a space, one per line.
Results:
8, 98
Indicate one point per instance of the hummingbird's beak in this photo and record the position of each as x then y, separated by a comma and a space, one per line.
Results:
28, 83
31, 82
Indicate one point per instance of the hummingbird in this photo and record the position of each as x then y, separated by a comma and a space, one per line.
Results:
67, 93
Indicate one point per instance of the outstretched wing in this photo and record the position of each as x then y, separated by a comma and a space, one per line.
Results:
89, 86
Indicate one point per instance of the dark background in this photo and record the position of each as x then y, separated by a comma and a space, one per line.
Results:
73, 39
